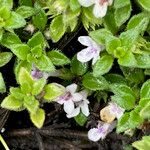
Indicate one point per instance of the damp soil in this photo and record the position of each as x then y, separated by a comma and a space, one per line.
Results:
58, 132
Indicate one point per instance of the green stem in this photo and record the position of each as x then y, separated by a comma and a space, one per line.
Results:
3, 143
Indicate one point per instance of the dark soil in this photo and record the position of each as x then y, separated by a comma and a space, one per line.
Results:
58, 133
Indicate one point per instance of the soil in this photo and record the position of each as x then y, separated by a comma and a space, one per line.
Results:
58, 133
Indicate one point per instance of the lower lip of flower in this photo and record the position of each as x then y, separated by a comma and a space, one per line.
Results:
66, 97
103, 1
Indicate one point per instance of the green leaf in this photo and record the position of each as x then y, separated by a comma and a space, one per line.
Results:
37, 39
124, 96
12, 103
129, 37
103, 65
128, 60
9, 39
143, 61
38, 118
26, 88
31, 104
1, 34
15, 21
57, 28
40, 18
37, 51
58, 58
4, 12
2, 84
65, 74
74, 4
100, 35
38, 86
17, 93
135, 119
24, 76
20, 50
7, 3
25, 2
81, 119
122, 11
137, 20
109, 21
93, 83
5, 57
19, 65
145, 112
134, 75
44, 64
145, 4
143, 144
115, 78
25, 11
123, 123
145, 90
52, 91
112, 43
77, 67
121, 3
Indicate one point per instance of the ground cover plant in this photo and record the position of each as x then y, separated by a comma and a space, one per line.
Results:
75, 74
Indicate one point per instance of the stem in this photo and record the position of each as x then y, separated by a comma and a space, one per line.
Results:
3, 143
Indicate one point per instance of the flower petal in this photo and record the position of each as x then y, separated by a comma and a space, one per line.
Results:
74, 113
86, 3
110, 2
99, 11
116, 110
84, 94
94, 135
95, 58
85, 55
71, 88
85, 40
68, 106
85, 108
77, 97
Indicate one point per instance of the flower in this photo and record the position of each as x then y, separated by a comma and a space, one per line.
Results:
91, 52
100, 6
81, 105
30, 28
37, 74
110, 112
74, 101
69, 98
101, 131
116, 110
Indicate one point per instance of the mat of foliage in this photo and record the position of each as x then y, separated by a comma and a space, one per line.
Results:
74, 74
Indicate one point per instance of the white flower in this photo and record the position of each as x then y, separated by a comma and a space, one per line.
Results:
116, 110
74, 101
81, 105
69, 98
100, 6
101, 131
91, 52
30, 28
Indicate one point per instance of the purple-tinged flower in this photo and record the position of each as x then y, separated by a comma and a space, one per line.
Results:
37, 74
100, 6
91, 52
101, 131
69, 98
81, 105
116, 110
